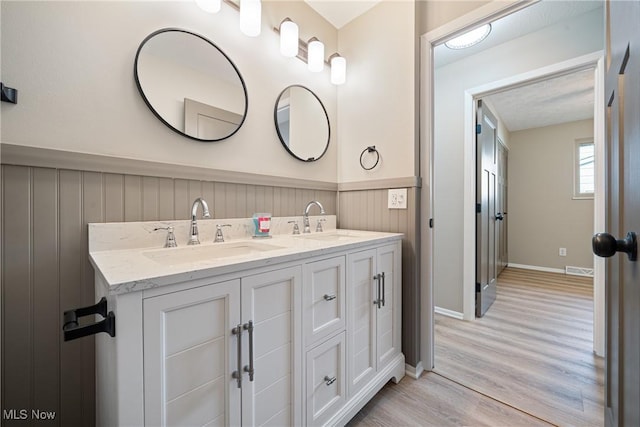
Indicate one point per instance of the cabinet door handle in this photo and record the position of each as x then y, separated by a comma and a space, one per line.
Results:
377, 300
238, 374
328, 381
382, 295
249, 327
328, 297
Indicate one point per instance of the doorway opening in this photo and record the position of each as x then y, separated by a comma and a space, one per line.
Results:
455, 218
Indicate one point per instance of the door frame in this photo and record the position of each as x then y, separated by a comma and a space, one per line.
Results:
485, 14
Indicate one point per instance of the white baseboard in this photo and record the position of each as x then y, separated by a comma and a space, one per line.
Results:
450, 313
413, 372
537, 268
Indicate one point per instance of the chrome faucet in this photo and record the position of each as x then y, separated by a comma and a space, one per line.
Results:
193, 238
305, 216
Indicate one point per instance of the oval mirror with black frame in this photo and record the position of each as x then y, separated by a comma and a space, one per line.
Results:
190, 85
302, 123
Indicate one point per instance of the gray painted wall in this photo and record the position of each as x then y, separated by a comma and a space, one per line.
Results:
46, 268
367, 210
543, 216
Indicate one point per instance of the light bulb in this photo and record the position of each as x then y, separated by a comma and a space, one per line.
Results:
315, 55
338, 69
210, 6
250, 17
289, 38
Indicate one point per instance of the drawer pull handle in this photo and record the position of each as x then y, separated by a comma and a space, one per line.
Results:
237, 375
250, 369
378, 300
328, 380
328, 297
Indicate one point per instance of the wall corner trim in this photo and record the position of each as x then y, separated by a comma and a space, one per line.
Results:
381, 184
413, 372
21, 155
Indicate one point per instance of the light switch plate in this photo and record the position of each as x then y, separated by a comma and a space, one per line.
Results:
397, 198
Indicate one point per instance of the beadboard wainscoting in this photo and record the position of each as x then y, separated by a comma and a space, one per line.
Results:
46, 269
363, 206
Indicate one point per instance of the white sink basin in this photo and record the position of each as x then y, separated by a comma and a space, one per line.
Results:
194, 254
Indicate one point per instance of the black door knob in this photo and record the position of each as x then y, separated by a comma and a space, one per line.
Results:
499, 217
605, 245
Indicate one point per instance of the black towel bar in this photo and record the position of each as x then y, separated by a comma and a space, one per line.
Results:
73, 331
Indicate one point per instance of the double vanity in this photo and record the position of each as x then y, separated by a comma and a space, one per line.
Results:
287, 330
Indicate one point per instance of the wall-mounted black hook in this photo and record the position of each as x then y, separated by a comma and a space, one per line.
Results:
8, 94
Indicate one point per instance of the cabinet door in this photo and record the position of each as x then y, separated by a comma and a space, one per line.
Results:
189, 355
389, 319
323, 299
361, 319
326, 391
272, 301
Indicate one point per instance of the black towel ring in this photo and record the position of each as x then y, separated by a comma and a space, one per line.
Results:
370, 149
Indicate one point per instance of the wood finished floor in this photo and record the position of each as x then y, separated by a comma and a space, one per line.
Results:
527, 362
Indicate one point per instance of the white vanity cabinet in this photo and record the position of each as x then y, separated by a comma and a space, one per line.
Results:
304, 338
324, 300
192, 354
373, 313
272, 302
189, 356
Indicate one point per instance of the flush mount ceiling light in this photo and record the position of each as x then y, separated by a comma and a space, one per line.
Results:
338, 69
470, 38
250, 17
211, 6
315, 58
288, 38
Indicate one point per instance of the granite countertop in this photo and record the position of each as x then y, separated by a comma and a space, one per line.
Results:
130, 256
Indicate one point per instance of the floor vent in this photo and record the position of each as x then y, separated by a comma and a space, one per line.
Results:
578, 271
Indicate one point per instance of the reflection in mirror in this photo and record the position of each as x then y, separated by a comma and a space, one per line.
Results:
190, 84
302, 123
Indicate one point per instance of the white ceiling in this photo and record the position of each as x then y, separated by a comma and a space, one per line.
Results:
341, 12
528, 20
560, 100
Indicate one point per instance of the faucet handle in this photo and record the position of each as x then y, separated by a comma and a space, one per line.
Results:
319, 225
219, 236
296, 229
171, 238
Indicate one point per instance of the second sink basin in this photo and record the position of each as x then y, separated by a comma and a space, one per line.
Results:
194, 254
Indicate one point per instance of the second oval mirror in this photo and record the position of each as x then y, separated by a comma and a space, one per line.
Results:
302, 123
190, 84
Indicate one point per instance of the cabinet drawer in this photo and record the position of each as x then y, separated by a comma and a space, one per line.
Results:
324, 299
326, 388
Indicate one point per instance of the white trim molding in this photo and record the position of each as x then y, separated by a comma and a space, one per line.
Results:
413, 372
448, 313
381, 184
537, 268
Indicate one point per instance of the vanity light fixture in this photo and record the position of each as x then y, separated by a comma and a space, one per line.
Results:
250, 17
338, 69
315, 55
210, 6
470, 38
288, 38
